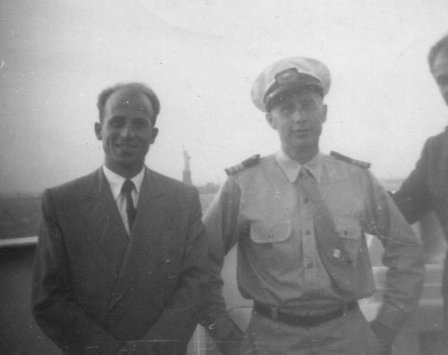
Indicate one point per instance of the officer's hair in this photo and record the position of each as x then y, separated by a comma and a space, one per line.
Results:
440, 44
144, 89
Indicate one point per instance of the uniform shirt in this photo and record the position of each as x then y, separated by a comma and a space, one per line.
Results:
116, 182
309, 285
262, 209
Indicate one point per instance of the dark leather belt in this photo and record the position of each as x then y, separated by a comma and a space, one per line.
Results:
302, 320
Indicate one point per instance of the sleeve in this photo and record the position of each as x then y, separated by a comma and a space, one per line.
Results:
413, 198
179, 318
54, 309
221, 222
403, 257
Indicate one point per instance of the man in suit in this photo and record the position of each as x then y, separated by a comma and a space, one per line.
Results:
426, 188
121, 258
300, 218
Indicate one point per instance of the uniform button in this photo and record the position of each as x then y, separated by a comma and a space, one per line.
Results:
309, 265
307, 232
305, 200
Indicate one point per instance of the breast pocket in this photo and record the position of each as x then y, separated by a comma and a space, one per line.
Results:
262, 233
273, 246
350, 232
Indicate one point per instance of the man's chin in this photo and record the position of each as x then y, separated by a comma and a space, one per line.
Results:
130, 156
306, 143
129, 161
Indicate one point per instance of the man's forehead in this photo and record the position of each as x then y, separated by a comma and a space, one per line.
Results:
129, 98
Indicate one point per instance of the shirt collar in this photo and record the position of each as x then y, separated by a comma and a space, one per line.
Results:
291, 168
116, 181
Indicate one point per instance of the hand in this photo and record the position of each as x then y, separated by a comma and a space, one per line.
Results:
227, 335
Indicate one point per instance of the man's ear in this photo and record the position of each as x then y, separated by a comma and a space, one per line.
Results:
155, 132
98, 127
270, 120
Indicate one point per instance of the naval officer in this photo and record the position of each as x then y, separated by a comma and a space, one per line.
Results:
301, 220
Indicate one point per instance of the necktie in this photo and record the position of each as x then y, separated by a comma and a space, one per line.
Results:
126, 189
330, 246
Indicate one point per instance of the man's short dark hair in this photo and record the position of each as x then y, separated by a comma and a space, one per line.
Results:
146, 90
440, 44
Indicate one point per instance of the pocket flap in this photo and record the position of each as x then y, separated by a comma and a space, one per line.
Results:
260, 232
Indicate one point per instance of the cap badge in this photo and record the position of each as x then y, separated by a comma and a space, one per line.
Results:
287, 76
336, 253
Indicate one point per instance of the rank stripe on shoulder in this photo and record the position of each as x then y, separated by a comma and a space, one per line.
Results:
243, 165
361, 164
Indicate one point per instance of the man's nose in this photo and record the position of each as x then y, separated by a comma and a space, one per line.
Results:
298, 115
127, 131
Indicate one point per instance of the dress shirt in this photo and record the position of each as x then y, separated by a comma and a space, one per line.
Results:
311, 278
263, 208
291, 168
116, 182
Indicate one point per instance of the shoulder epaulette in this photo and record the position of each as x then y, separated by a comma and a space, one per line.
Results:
361, 164
243, 165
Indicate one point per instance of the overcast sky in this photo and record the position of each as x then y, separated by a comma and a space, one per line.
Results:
201, 57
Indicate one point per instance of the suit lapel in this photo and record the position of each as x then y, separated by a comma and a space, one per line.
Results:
107, 238
150, 222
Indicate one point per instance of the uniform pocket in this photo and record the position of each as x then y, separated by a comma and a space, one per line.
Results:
261, 232
350, 232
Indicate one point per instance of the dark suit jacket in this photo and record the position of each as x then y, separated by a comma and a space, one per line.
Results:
426, 189
96, 287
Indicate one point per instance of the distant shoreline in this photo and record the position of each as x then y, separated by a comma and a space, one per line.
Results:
389, 184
